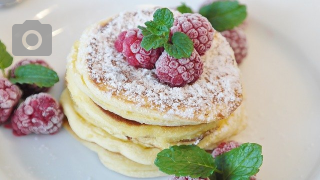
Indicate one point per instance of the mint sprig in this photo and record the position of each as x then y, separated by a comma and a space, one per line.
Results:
189, 160
157, 34
224, 15
35, 74
5, 58
183, 8
185, 161
27, 74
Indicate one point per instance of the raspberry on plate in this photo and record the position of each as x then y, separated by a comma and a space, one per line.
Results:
224, 147
10, 95
39, 114
186, 178
129, 43
29, 89
238, 42
179, 72
198, 28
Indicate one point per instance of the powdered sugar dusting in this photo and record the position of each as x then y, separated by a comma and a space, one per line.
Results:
217, 93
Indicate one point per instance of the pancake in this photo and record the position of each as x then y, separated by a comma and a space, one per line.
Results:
147, 135
91, 133
136, 94
127, 116
117, 162
136, 152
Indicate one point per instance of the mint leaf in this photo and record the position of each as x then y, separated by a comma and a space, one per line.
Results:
5, 58
217, 7
164, 17
144, 31
35, 74
183, 8
153, 42
240, 163
185, 160
157, 29
224, 15
181, 47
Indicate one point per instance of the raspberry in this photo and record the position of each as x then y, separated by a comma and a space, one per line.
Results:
225, 147
39, 113
29, 89
198, 28
186, 178
179, 72
238, 42
10, 95
129, 43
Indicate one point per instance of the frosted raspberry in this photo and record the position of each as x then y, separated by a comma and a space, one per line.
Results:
129, 43
225, 147
198, 28
186, 178
10, 95
179, 72
238, 42
29, 89
39, 113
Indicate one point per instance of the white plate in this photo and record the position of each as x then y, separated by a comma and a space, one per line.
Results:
280, 75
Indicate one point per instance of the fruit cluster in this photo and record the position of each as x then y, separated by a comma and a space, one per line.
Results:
28, 82
175, 70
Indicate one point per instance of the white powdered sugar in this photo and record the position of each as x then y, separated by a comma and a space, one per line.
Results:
217, 91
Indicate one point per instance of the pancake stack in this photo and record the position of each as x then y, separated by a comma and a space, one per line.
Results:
127, 116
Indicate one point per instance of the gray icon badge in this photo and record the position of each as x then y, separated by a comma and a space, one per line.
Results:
31, 39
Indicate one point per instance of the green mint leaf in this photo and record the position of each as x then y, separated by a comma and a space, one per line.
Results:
153, 42
157, 29
162, 22
218, 7
5, 58
240, 163
183, 8
164, 17
35, 74
144, 31
185, 160
224, 15
181, 47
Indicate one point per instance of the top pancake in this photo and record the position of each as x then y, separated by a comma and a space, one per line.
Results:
136, 94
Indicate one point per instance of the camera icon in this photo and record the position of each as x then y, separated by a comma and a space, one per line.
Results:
32, 39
